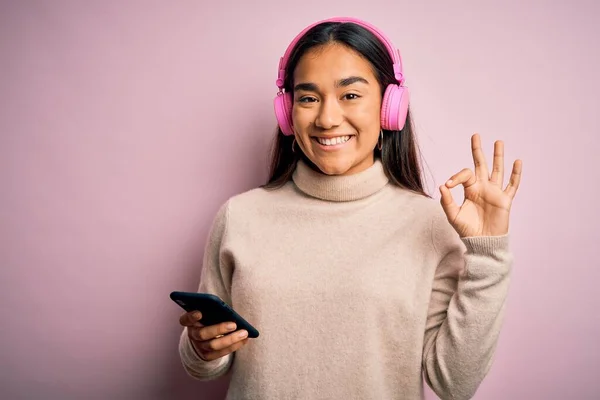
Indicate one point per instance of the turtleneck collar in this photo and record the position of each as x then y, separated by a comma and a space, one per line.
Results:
340, 188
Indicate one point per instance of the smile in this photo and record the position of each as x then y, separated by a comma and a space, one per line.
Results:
333, 141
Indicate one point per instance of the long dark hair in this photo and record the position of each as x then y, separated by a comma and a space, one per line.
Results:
401, 156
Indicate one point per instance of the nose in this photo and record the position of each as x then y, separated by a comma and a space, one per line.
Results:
330, 114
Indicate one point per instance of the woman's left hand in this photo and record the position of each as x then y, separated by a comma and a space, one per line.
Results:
486, 207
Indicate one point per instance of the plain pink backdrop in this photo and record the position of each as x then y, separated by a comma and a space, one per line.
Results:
124, 125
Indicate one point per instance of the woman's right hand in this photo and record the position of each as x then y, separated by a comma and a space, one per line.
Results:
213, 341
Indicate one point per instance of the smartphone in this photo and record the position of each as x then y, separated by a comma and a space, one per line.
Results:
214, 310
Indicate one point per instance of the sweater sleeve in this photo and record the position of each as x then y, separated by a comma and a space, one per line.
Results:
466, 309
215, 278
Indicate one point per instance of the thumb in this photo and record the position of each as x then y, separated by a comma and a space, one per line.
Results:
450, 207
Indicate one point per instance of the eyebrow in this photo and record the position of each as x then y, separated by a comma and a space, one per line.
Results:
312, 87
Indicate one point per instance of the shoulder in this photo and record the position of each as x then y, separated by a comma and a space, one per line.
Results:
444, 238
260, 197
255, 202
427, 213
428, 209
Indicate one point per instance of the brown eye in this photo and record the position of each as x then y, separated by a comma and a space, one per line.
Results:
306, 99
351, 96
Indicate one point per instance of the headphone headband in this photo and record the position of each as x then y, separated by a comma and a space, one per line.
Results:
393, 52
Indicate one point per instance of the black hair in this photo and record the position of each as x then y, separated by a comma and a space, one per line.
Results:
400, 155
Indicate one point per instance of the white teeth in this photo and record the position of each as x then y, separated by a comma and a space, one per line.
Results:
333, 141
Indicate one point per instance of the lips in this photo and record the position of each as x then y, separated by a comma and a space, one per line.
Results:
332, 141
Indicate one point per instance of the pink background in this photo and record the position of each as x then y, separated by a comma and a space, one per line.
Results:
124, 125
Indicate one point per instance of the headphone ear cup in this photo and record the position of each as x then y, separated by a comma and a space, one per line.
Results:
394, 107
283, 113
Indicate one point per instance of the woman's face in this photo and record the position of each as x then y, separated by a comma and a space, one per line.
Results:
336, 109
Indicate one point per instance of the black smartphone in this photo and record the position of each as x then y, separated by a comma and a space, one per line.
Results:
214, 310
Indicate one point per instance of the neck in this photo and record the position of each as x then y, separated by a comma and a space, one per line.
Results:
340, 187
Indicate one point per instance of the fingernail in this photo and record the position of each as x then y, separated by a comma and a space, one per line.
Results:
242, 334
230, 326
449, 182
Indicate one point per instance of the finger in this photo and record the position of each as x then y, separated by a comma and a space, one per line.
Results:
515, 179
223, 342
213, 331
194, 333
190, 318
464, 177
481, 169
213, 355
498, 164
450, 207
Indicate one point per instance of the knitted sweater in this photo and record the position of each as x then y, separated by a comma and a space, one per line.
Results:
360, 290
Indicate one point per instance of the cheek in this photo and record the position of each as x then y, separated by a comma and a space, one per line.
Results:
303, 120
376, 108
366, 116
363, 115
300, 116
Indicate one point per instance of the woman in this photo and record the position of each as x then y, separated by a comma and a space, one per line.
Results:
359, 283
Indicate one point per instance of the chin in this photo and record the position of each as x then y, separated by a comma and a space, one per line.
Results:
334, 167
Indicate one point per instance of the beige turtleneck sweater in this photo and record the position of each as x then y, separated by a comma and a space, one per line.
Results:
358, 288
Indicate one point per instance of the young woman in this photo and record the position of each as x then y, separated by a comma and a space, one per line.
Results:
359, 283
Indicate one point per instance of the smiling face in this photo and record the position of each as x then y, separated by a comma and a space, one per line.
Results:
336, 110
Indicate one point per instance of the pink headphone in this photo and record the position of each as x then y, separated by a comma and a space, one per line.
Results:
394, 107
